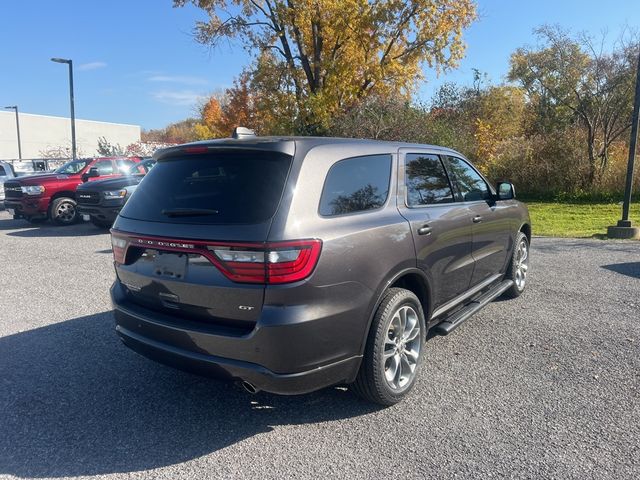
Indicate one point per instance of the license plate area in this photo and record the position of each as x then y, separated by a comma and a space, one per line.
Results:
172, 265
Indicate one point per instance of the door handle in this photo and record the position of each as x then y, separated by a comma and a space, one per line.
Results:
477, 219
424, 230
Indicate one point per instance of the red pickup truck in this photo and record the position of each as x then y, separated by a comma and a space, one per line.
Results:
52, 195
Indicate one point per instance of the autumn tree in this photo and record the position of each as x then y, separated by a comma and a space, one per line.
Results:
221, 113
573, 80
331, 53
179, 132
210, 120
238, 108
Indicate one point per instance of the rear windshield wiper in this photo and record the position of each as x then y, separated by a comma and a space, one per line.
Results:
189, 212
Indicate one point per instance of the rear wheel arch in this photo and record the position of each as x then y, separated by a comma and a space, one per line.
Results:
410, 279
64, 193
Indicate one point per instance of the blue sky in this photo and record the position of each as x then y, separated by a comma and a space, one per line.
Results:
136, 61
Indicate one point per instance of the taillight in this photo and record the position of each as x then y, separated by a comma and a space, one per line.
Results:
269, 263
275, 262
119, 246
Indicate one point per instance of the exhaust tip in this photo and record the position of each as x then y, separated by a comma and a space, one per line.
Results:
250, 387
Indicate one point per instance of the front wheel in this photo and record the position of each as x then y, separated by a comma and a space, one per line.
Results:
63, 211
394, 349
518, 267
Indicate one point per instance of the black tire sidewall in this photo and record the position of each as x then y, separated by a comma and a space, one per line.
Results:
390, 304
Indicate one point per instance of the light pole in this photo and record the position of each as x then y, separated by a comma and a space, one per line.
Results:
624, 228
73, 115
15, 108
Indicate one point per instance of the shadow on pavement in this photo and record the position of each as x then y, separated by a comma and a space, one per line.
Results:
630, 269
76, 402
22, 228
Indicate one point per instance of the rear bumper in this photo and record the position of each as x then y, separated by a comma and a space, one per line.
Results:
286, 357
229, 369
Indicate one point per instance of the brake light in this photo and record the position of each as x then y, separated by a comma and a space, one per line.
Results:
268, 263
195, 150
275, 262
119, 247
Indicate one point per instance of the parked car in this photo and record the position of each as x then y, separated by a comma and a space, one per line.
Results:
293, 264
38, 197
101, 200
6, 173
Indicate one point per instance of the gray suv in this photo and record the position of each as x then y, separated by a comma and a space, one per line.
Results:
292, 264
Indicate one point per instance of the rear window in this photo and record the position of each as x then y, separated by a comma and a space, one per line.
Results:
216, 188
356, 185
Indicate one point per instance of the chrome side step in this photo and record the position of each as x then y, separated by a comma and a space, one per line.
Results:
454, 321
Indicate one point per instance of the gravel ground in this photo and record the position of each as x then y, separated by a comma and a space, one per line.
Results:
544, 386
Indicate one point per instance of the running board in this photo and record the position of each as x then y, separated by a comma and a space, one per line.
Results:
450, 324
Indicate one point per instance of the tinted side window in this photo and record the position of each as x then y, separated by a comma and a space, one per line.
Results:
356, 184
471, 185
105, 167
2, 172
427, 181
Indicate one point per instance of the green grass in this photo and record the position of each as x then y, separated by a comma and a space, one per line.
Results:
577, 219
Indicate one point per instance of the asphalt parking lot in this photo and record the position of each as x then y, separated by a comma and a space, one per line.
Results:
544, 386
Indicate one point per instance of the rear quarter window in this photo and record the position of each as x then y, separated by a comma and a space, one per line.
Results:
241, 187
356, 184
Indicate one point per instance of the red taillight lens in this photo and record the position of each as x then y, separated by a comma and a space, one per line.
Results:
195, 150
119, 244
292, 261
269, 263
276, 262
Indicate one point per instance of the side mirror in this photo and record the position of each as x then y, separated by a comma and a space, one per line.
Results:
506, 191
92, 173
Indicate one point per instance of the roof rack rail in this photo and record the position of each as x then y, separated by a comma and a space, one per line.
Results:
242, 132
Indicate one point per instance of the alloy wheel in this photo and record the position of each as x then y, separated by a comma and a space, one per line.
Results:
402, 348
66, 212
522, 264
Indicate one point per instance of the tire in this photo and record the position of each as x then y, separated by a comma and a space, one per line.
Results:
518, 267
100, 223
376, 381
63, 211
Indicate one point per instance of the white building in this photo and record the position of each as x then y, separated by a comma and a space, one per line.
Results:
40, 134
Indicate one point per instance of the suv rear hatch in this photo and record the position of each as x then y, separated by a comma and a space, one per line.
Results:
191, 242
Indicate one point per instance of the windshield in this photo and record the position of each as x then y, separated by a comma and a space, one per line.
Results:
142, 167
72, 167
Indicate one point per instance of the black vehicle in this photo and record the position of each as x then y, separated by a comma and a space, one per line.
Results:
292, 264
101, 200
